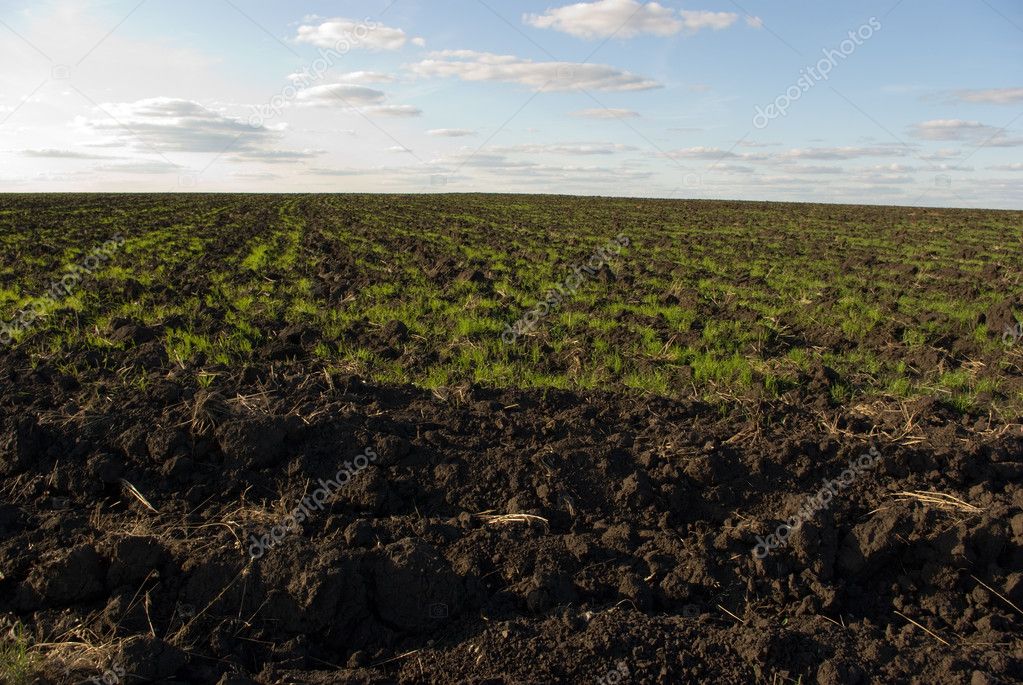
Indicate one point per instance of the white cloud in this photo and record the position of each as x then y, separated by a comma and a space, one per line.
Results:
503, 167
606, 17
343, 94
348, 96
626, 19
147, 167
277, 156
948, 129
469, 65
993, 96
872, 177
489, 160
734, 168
170, 124
601, 113
396, 110
567, 148
695, 21
894, 168
1000, 139
959, 129
62, 154
451, 132
319, 171
1014, 166
366, 77
339, 32
943, 153
815, 170
331, 131
754, 22
848, 152
256, 175
348, 77
701, 152
789, 156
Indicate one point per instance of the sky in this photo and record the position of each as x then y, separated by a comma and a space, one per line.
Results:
909, 102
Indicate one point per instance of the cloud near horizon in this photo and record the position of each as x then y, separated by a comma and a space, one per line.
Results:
164, 124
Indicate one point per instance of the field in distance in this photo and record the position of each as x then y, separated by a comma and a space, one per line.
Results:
707, 299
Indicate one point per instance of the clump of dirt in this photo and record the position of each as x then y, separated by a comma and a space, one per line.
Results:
1000, 317
133, 332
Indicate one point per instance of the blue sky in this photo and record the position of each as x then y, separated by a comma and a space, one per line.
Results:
922, 102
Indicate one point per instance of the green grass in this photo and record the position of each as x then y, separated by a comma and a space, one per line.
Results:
257, 259
17, 661
714, 297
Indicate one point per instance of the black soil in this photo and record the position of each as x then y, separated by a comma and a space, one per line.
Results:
130, 526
